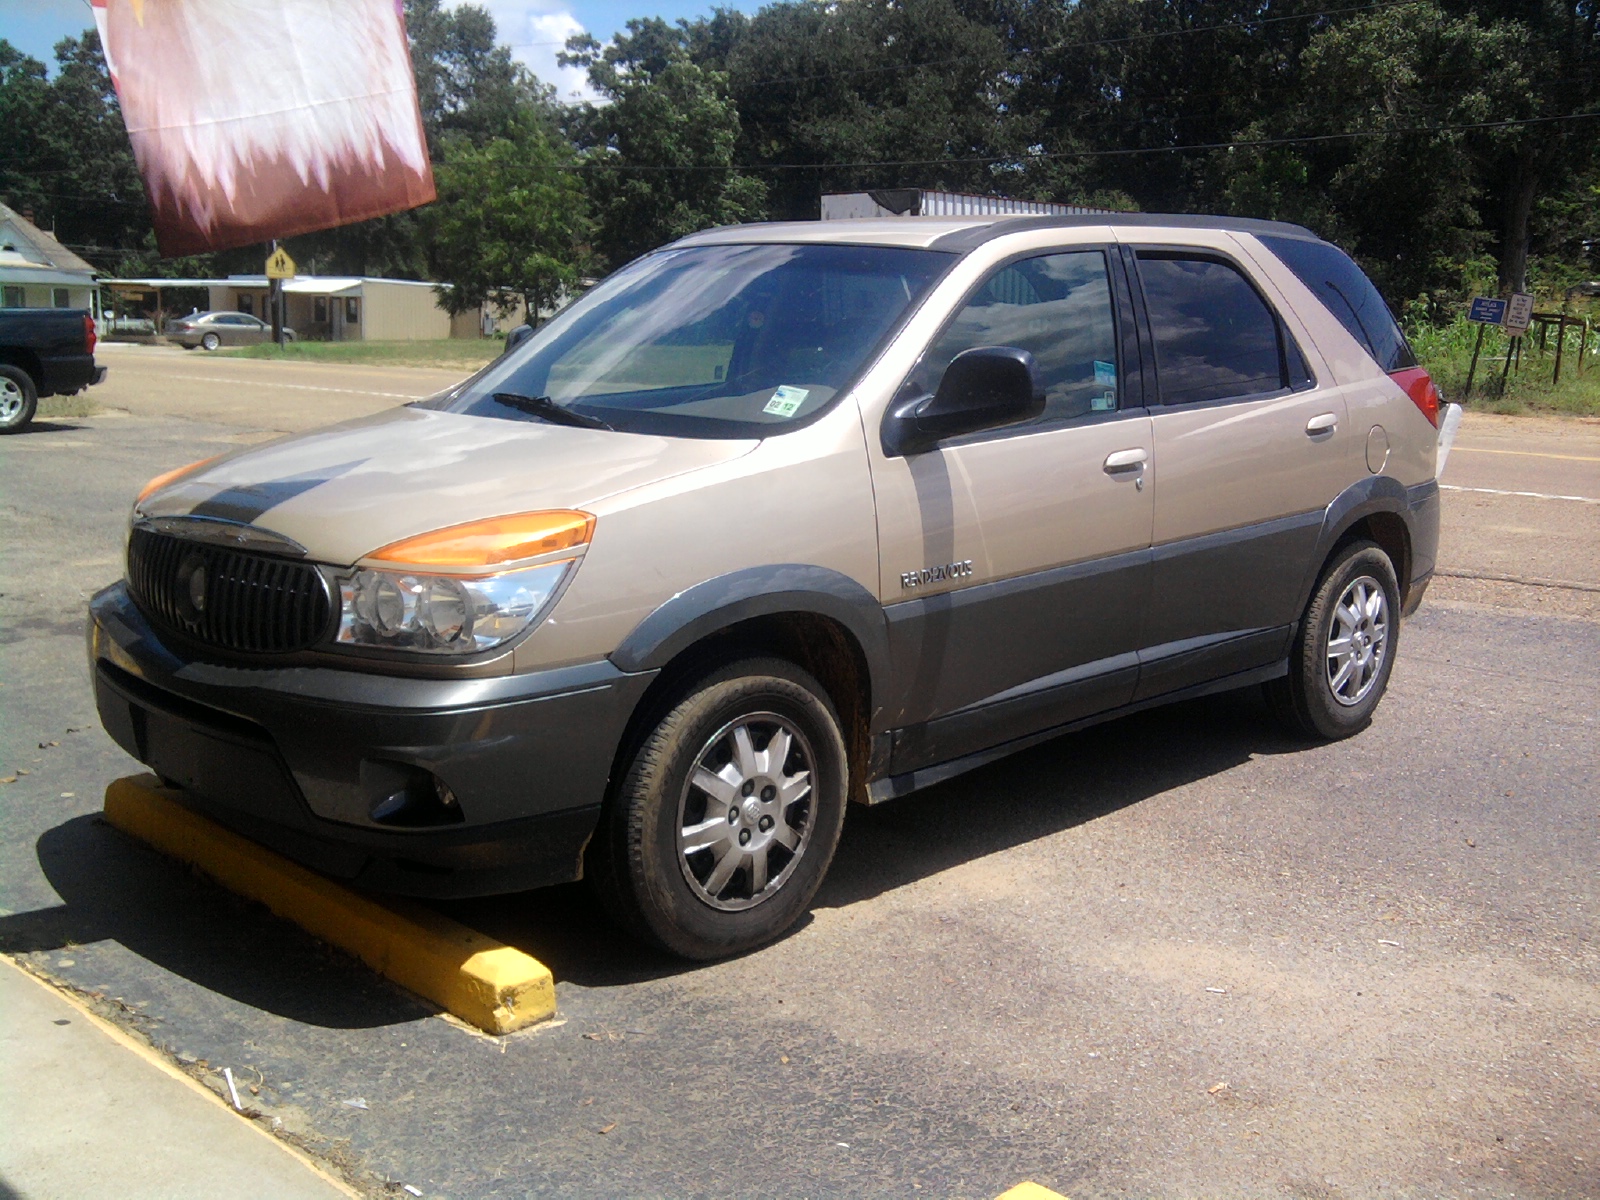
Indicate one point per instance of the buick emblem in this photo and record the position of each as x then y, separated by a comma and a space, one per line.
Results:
190, 587
197, 588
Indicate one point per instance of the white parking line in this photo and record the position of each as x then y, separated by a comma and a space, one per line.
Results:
310, 387
1451, 487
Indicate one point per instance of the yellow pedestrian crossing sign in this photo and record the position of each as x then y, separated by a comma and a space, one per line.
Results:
280, 265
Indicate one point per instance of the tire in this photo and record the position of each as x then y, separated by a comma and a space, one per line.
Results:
1344, 650
19, 400
210, 341
709, 900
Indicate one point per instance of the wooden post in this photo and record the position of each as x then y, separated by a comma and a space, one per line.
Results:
1561, 341
1505, 371
1583, 346
1473, 369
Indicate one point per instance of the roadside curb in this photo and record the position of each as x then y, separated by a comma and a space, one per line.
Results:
483, 982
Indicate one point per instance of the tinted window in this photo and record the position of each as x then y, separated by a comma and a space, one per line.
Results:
714, 341
1058, 308
1349, 295
1215, 337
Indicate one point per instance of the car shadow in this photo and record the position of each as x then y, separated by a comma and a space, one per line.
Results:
46, 426
1062, 783
113, 888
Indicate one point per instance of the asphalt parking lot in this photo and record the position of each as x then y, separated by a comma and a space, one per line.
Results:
1176, 955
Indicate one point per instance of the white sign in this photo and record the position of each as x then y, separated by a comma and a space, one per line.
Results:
1519, 314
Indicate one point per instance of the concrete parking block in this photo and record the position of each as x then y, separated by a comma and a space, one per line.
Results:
483, 982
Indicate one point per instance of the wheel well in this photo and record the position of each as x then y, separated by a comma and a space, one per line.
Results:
1389, 532
819, 645
26, 361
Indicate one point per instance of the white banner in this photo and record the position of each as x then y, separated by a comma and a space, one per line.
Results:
254, 120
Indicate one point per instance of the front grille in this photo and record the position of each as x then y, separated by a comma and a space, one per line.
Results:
244, 602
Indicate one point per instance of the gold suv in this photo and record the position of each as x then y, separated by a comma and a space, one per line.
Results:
778, 517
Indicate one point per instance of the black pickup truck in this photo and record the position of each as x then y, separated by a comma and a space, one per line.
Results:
43, 352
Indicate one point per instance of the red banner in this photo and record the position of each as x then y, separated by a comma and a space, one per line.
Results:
252, 121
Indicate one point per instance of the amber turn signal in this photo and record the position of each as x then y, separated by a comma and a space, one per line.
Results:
161, 481
493, 541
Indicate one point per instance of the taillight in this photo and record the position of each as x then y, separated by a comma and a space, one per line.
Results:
1415, 383
89, 332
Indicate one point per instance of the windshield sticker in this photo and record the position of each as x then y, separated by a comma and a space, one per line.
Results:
786, 401
1106, 402
1105, 374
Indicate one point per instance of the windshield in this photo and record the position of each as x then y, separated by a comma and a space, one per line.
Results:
711, 341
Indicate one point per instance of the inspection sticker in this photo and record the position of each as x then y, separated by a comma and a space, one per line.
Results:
1105, 374
786, 401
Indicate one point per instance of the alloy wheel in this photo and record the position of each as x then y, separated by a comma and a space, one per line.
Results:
744, 817
1358, 640
11, 400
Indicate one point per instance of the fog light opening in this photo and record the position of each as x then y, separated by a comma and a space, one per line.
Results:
423, 799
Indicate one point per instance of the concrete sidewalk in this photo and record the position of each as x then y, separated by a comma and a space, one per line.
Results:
87, 1112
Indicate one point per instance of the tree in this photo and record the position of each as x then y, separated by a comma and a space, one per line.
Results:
924, 83
659, 157
510, 221
65, 155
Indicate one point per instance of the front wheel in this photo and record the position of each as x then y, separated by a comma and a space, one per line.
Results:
18, 399
1344, 650
727, 818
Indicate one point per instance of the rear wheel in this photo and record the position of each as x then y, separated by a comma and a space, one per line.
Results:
726, 820
1343, 653
18, 399
210, 341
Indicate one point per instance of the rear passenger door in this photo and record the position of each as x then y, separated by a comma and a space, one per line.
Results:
1250, 448
1015, 561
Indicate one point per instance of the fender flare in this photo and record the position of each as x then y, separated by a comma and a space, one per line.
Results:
1375, 494
774, 590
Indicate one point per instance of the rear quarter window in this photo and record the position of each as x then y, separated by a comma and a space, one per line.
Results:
1347, 293
1215, 338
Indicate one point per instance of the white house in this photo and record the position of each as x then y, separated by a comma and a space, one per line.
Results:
36, 271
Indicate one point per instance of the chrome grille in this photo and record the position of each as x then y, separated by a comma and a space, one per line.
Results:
243, 602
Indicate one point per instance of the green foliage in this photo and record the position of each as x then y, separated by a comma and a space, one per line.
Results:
1445, 349
659, 156
510, 222
1349, 120
454, 354
65, 155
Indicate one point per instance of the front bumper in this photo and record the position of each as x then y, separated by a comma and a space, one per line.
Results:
297, 758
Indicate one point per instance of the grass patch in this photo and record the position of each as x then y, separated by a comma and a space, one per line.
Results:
1446, 352
66, 406
450, 353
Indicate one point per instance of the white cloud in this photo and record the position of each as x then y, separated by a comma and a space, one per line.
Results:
536, 31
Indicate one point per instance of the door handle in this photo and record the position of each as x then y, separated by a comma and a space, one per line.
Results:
1322, 423
1125, 460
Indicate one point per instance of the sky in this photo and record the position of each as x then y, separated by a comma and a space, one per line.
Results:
534, 29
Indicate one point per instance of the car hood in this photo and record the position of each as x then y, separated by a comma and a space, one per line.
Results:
347, 490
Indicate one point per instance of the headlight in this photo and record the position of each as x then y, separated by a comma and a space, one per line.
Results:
443, 614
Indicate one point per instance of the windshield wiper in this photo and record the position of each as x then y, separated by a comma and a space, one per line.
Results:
547, 409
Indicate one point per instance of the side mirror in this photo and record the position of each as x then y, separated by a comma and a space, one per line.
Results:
983, 388
517, 336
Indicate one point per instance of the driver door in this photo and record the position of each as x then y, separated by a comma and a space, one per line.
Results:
1014, 563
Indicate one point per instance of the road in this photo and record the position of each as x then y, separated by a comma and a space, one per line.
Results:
1177, 955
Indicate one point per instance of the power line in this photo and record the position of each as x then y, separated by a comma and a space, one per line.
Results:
991, 160
1129, 152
